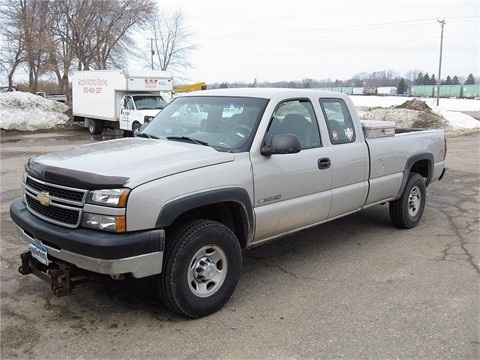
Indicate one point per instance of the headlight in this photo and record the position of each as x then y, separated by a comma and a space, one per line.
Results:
109, 197
104, 222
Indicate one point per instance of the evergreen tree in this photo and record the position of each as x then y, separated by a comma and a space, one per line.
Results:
448, 81
426, 79
455, 80
419, 79
470, 80
433, 81
401, 88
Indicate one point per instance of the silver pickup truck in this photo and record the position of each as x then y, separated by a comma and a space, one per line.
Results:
179, 202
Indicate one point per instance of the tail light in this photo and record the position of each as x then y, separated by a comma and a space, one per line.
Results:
445, 146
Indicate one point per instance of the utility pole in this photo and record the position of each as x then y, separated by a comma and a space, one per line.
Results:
442, 23
152, 52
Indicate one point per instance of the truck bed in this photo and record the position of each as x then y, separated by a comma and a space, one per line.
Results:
387, 167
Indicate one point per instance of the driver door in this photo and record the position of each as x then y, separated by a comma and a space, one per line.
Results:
292, 191
125, 113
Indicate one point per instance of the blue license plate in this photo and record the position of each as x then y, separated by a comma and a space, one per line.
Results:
39, 253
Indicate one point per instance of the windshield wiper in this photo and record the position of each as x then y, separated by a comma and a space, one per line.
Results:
147, 136
188, 139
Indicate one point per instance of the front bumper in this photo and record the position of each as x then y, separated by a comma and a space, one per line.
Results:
139, 253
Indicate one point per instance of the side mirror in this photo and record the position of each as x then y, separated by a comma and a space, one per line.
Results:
282, 144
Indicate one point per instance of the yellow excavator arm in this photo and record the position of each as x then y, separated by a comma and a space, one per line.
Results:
191, 87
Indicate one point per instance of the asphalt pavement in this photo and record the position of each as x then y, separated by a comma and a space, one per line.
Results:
354, 288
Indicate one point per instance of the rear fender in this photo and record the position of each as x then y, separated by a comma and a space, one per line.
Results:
421, 164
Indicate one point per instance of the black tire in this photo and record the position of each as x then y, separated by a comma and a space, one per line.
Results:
407, 211
201, 268
135, 127
95, 127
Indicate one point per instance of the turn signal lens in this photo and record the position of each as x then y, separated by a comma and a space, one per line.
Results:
104, 222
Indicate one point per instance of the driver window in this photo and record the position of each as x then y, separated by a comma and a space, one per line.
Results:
296, 117
129, 103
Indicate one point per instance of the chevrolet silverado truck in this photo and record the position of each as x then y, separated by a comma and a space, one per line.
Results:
180, 202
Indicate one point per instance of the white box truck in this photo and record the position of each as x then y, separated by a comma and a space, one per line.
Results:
118, 99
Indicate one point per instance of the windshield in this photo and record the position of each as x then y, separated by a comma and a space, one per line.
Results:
224, 123
149, 102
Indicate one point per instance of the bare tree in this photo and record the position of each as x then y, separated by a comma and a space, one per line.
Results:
101, 30
410, 76
93, 34
12, 44
25, 33
62, 51
171, 41
53, 37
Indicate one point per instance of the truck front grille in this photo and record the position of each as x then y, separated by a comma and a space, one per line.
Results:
56, 191
59, 215
57, 204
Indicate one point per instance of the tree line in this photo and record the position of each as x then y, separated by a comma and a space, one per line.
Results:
52, 38
431, 80
365, 80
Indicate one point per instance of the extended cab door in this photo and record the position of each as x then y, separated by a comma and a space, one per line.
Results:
350, 158
292, 190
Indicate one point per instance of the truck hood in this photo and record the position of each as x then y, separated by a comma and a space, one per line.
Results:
123, 162
151, 112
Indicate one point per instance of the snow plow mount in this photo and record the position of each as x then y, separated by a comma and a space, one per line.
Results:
61, 277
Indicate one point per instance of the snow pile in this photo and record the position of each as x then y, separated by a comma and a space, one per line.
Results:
436, 118
28, 112
456, 119
407, 118
411, 114
419, 113
450, 104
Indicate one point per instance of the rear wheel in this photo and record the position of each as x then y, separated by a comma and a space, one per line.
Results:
407, 211
95, 127
202, 265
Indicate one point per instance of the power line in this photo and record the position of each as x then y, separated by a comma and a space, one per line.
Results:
340, 28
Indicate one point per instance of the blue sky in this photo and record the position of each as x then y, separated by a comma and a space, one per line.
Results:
293, 40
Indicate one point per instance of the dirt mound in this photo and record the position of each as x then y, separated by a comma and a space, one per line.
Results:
414, 105
406, 118
429, 120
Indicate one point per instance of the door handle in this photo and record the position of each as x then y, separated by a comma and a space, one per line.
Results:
324, 163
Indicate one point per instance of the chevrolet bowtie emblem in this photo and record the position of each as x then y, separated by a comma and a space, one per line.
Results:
44, 199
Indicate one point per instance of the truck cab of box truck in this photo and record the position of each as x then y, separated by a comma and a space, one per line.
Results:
139, 109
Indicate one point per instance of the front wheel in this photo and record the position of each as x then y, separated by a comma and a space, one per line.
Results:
135, 128
406, 212
201, 269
